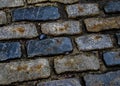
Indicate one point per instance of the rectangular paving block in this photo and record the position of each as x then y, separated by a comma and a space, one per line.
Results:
118, 38
11, 3
14, 31
53, 46
107, 79
23, 70
112, 58
64, 82
35, 1
79, 62
77, 10
10, 50
100, 24
65, 1
36, 13
3, 19
112, 7
94, 42
60, 28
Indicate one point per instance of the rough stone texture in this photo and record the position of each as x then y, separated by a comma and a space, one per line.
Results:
60, 28
93, 42
35, 1
10, 50
65, 82
65, 1
112, 58
11, 3
107, 79
80, 62
77, 10
3, 19
112, 7
99, 24
18, 31
118, 38
36, 13
54, 46
24, 70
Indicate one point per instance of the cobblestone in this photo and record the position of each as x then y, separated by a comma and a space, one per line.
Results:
118, 38
65, 1
107, 79
60, 28
3, 19
65, 82
18, 31
93, 42
77, 10
46, 47
80, 62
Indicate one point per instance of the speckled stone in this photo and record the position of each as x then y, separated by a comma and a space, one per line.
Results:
35, 1
10, 50
64, 82
76, 10
94, 42
11, 3
3, 19
60, 28
65, 1
118, 38
107, 79
18, 31
53, 46
80, 62
36, 13
112, 58
23, 70
100, 24
112, 7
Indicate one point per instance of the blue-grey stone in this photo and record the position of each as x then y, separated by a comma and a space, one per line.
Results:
112, 7
65, 82
10, 50
42, 36
112, 58
118, 38
36, 13
46, 47
107, 79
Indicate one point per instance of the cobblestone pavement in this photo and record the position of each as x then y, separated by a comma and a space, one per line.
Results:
59, 42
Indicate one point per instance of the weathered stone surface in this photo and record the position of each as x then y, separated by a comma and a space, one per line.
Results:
93, 42
99, 24
10, 50
77, 10
112, 7
45, 47
3, 19
107, 79
35, 1
118, 38
112, 58
36, 13
80, 62
24, 70
11, 3
65, 82
18, 31
65, 1
60, 28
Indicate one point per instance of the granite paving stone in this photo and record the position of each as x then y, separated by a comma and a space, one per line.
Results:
3, 19
118, 38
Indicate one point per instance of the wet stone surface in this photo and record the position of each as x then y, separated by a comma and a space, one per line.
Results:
112, 7
3, 19
59, 45
60, 28
15, 31
93, 42
24, 70
107, 79
36, 13
112, 58
65, 82
118, 38
77, 10
10, 50
80, 62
